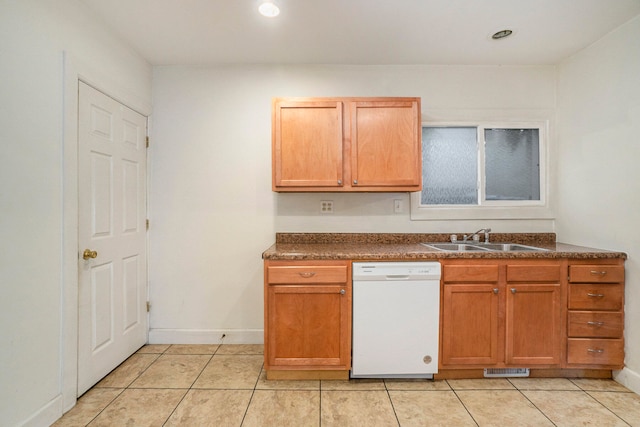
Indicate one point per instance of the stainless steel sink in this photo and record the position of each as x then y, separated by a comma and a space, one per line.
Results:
480, 247
457, 247
510, 247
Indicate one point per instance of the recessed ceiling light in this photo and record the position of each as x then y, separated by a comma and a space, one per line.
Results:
269, 9
501, 34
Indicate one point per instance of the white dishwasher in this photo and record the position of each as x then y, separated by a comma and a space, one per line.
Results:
396, 312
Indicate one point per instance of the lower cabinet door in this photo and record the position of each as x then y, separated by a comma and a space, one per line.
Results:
532, 325
470, 324
309, 326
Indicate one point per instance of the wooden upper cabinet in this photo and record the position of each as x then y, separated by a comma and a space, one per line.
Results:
386, 144
307, 144
346, 144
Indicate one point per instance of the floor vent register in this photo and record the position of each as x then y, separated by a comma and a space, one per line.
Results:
506, 372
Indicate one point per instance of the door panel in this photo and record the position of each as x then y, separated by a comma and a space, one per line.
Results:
112, 321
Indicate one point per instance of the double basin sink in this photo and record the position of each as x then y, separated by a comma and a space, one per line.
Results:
482, 247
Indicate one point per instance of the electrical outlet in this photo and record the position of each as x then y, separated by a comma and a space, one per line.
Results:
398, 206
326, 206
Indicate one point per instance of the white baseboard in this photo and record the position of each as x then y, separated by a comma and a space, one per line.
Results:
206, 336
46, 415
628, 378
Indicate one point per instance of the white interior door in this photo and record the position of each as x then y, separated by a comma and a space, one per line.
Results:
112, 316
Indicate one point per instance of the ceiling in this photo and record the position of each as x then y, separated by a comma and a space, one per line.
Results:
204, 32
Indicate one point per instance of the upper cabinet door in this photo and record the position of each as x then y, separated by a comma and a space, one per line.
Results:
307, 144
347, 144
386, 144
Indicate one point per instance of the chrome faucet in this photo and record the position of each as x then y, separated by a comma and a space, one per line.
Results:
475, 236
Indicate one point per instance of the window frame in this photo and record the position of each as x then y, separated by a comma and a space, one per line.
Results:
492, 209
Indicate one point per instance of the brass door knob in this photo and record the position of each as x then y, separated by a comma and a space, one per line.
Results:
89, 254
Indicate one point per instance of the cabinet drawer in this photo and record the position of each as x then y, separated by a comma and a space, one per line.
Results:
307, 274
595, 324
596, 273
582, 351
533, 273
595, 297
470, 273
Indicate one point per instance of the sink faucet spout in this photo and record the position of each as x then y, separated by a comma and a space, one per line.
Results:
476, 236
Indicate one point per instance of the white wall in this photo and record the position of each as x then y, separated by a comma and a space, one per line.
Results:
599, 162
211, 205
33, 36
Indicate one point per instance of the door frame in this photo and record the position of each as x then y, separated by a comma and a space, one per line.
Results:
74, 70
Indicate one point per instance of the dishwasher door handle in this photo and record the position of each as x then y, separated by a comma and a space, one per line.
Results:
397, 277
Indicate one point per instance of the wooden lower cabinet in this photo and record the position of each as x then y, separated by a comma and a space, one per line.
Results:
596, 314
499, 313
307, 319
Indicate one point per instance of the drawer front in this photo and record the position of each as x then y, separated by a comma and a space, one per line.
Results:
595, 324
596, 273
533, 273
595, 297
583, 351
470, 273
307, 274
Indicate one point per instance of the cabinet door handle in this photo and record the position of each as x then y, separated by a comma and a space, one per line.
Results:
595, 350
592, 295
342, 292
495, 290
598, 273
307, 274
355, 182
595, 323
513, 290
339, 182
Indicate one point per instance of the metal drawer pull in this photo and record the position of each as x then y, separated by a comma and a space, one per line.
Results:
513, 290
595, 323
495, 290
595, 295
342, 292
598, 273
595, 350
307, 274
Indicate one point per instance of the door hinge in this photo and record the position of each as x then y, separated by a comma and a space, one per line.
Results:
148, 306
147, 223
147, 142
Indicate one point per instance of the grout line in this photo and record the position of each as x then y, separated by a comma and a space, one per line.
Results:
393, 408
605, 406
462, 403
529, 400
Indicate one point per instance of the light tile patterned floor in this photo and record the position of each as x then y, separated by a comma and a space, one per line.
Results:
211, 385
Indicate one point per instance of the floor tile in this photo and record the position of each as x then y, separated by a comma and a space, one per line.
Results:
211, 408
172, 371
572, 408
543, 384
209, 349
370, 408
502, 408
283, 408
398, 384
624, 405
241, 349
590, 384
429, 409
481, 384
128, 371
354, 384
139, 407
88, 407
153, 348
264, 384
232, 372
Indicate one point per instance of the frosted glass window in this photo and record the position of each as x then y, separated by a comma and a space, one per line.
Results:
512, 164
450, 166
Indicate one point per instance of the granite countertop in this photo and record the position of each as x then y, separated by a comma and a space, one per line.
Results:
391, 246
